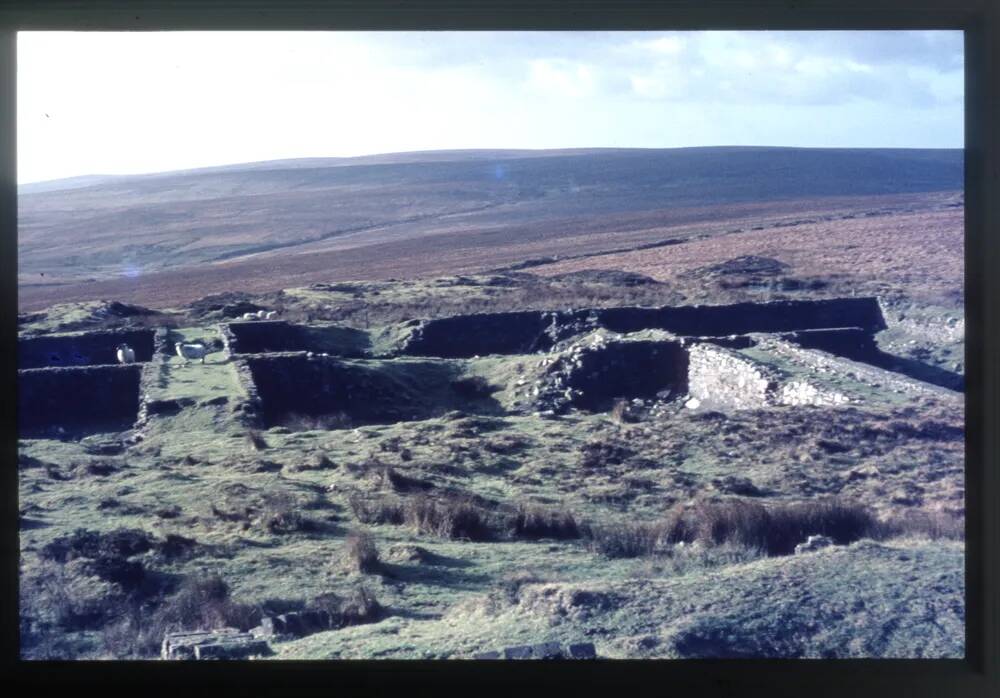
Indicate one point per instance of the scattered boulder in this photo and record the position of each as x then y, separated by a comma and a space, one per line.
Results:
223, 643
294, 624
812, 544
101, 447
733, 484
408, 553
611, 277
544, 650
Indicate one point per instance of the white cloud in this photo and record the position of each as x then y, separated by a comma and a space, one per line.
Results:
561, 78
142, 102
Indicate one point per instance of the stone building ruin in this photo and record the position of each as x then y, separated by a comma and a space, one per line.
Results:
740, 356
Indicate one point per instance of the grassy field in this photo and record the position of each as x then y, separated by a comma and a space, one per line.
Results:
659, 534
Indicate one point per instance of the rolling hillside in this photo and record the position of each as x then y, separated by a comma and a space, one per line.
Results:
175, 236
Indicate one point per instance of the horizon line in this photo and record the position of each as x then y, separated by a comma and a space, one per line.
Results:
442, 151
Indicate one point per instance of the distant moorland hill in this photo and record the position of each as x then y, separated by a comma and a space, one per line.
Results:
163, 237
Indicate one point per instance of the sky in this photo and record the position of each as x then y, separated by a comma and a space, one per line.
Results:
130, 103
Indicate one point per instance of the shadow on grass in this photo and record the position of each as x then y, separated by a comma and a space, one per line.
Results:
430, 576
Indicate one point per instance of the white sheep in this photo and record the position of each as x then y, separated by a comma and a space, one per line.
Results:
125, 354
191, 351
271, 314
249, 316
261, 314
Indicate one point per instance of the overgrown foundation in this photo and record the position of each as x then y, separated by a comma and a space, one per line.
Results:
859, 345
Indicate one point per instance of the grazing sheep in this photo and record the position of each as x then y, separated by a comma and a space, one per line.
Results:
191, 351
125, 354
270, 315
249, 316
261, 314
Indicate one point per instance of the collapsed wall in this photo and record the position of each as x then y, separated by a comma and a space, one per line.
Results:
596, 369
722, 378
86, 400
83, 349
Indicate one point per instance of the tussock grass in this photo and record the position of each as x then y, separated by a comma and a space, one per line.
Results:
448, 517
360, 553
534, 521
376, 510
358, 607
920, 523
282, 514
774, 529
201, 603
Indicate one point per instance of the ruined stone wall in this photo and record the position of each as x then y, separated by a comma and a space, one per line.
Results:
87, 349
532, 331
260, 337
722, 378
481, 334
229, 340
719, 377
850, 343
804, 393
743, 318
86, 399
859, 345
365, 391
249, 410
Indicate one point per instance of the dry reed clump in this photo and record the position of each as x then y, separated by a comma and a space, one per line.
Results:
448, 517
376, 510
358, 607
775, 529
200, 603
534, 521
360, 553
921, 523
281, 515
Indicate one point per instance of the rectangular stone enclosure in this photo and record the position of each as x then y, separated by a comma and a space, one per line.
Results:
358, 391
89, 349
76, 401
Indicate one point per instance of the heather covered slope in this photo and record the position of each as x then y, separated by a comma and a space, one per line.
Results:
285, 218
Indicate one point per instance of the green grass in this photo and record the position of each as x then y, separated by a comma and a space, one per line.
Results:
895, 598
